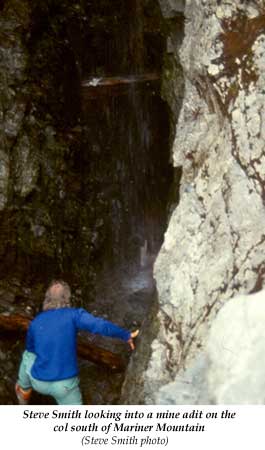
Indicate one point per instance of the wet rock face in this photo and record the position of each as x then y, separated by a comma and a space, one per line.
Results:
54, 205
214, 245
48, 202
12, 106
44, 204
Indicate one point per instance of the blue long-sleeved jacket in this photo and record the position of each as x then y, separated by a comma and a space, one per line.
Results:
52, 337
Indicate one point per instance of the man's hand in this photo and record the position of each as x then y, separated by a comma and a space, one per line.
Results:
134, 334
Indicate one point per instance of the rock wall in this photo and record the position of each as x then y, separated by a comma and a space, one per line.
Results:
235, 352
215, 242
57, 201
13, 104
47, 194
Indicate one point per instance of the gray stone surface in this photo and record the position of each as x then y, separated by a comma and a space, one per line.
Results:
4, 177
236, 348
215, 242
26, 166
190, 387
12, 76
172, 7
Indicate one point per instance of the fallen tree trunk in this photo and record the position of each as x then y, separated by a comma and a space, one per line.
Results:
114, 81
19, 323
111, 86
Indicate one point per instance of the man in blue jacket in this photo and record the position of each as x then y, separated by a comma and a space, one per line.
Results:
49, 363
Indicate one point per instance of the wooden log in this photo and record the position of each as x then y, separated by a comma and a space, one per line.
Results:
14, 322
112, 86
114, 81
85, 350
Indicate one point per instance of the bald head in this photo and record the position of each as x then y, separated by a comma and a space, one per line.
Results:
57, 296
56, 289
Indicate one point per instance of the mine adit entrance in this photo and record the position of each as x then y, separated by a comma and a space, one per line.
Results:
115, 90
127, 126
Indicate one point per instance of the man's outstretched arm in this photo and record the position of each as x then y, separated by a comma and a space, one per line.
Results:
96, 325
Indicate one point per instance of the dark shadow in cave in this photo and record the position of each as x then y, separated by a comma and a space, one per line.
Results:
128, 127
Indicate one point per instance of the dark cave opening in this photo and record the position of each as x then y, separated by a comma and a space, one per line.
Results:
103, 193
128, 129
